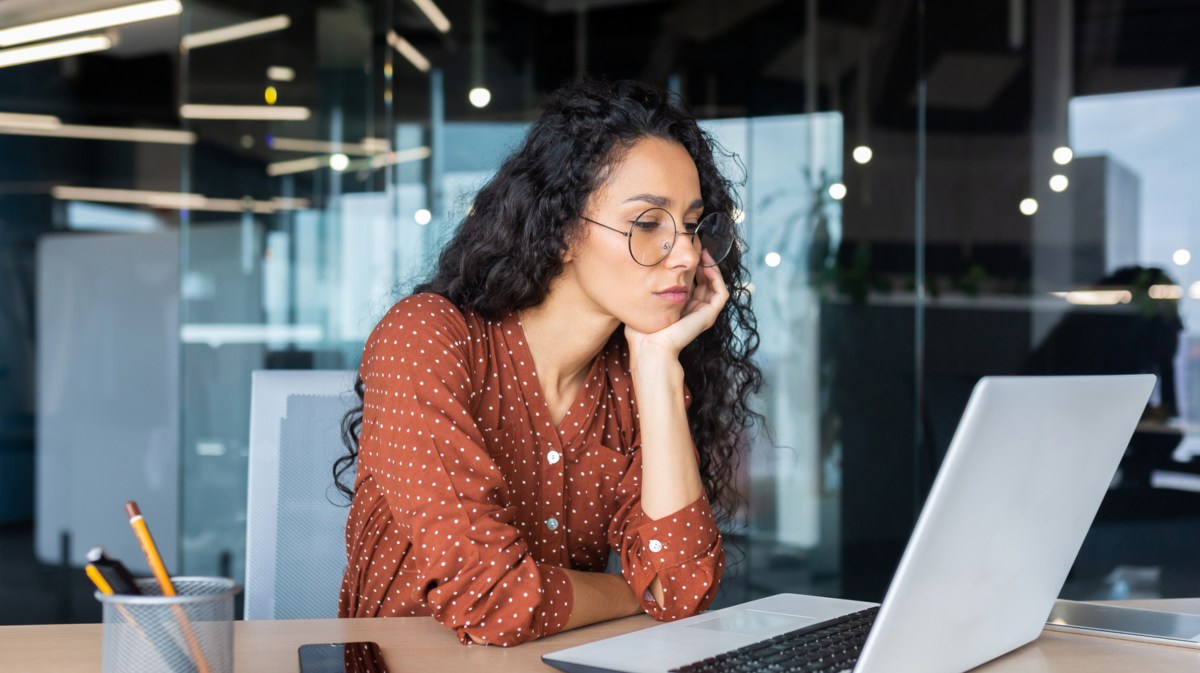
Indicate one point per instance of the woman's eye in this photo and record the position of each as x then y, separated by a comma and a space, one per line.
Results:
646, 225
690, 227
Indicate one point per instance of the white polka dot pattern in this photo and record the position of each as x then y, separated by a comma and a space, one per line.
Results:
461, 472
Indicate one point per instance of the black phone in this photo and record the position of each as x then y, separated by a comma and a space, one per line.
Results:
363, 657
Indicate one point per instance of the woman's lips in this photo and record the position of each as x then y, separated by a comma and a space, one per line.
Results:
677, 294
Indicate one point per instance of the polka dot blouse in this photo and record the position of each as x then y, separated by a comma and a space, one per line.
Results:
469, 501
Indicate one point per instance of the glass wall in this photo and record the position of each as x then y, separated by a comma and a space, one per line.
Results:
930, 193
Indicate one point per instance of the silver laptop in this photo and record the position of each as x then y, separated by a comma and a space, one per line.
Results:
1012, 502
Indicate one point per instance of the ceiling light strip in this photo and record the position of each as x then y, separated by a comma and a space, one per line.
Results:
20, 120
133, 135
81, 23
279, 73
297, 165
51, 50
245, 112
175, 200
435, 15
368, 146
409, 52
237, 31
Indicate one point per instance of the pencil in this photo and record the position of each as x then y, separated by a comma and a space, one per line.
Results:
142, 531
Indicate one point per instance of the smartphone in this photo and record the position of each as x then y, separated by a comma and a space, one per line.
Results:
1118, 621
364, 657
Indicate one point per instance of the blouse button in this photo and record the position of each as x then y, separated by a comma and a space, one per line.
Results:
553, 457
655, 546
552, 523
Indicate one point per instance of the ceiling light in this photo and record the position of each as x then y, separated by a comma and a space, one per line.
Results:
434, 15
1063, 155
17, 120
49, 50
401, 157
772, 259
81, 23
375, 145
480, 96
423, 216
237, 31
1096, 297
279, 73
316, 163
1059, 183
339, 162
1181, 257
133, 135
296, 166
1028, 206
247, 112
837, 191
367, 147
1165, 292
175, 200
405, 49
862, 154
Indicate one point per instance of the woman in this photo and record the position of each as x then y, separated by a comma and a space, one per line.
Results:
525, 411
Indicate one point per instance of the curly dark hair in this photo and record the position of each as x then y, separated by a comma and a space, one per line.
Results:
510, 246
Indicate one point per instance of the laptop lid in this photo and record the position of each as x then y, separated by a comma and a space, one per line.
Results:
1012, 502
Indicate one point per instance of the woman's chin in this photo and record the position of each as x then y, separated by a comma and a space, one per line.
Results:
652, 323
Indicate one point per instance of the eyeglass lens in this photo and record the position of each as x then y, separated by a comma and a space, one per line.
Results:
653, 236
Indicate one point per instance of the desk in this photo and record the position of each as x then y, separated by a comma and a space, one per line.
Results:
420, 644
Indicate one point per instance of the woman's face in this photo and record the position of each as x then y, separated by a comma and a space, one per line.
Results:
653, 173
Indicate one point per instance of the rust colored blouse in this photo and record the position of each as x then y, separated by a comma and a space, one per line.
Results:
469, 501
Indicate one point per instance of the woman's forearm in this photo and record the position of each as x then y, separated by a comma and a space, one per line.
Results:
599, 597
670, 474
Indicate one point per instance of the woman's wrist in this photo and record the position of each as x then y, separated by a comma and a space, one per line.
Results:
652, 364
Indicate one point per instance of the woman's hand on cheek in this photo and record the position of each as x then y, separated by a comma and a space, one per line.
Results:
699, 313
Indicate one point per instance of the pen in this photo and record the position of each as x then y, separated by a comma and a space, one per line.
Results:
98, 579
114, 573
142, 531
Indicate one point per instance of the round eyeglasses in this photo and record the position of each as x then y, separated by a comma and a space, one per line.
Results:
653, 233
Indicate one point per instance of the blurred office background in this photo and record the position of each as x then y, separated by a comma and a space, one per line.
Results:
931, 191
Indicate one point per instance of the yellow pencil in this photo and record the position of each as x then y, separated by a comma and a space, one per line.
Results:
142, 531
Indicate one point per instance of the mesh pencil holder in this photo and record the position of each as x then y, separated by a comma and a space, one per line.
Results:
191, 632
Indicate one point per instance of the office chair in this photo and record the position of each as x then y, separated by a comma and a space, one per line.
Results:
296, 518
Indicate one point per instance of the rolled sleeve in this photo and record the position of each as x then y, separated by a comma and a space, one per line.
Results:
687, 535
683, 550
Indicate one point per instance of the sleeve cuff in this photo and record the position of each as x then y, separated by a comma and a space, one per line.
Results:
558, 600
678, 538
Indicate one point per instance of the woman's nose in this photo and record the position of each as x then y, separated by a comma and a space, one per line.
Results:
685, 252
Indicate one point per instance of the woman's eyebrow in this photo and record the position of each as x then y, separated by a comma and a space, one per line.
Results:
662, 201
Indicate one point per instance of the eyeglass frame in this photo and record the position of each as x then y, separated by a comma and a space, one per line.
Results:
674, 225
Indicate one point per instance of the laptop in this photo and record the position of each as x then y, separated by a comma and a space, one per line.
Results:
1018, 489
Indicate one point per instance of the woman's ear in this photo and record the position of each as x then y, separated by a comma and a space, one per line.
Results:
571, 246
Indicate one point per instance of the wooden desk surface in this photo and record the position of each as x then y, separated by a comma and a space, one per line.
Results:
420, 644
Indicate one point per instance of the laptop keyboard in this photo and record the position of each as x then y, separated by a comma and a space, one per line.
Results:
826, 647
